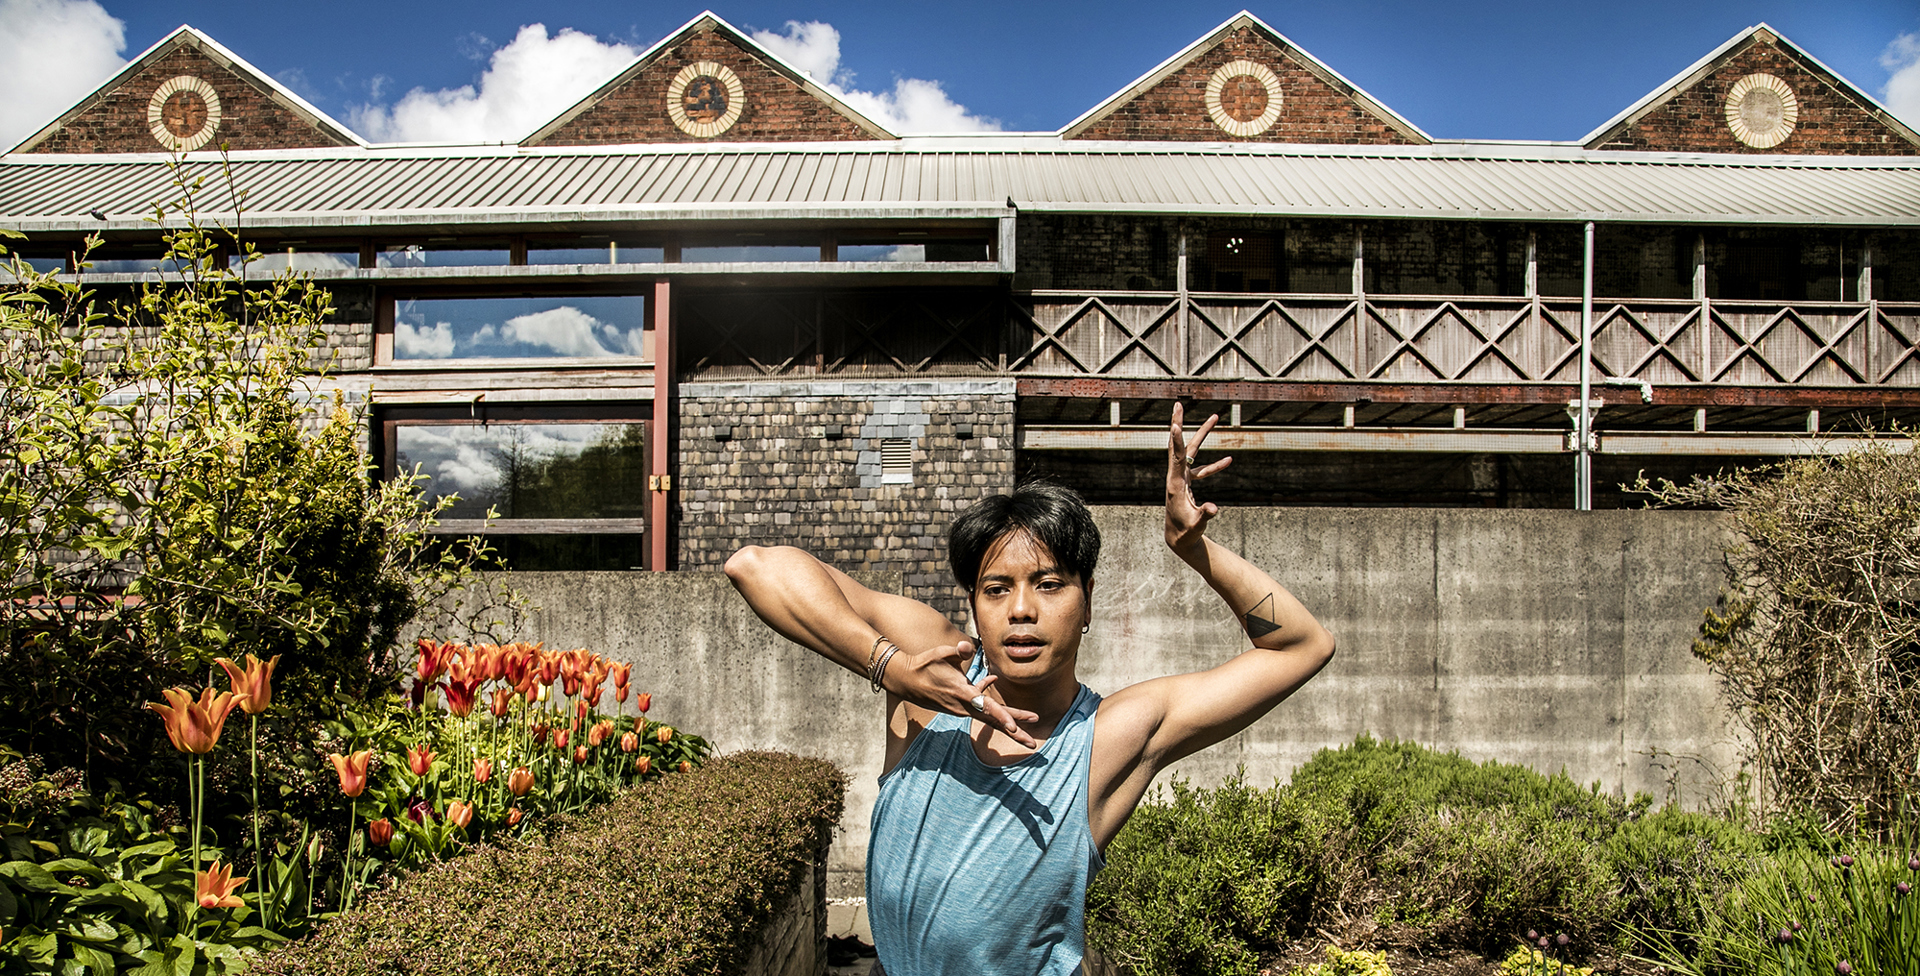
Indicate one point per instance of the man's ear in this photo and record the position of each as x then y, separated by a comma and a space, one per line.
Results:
1086, 612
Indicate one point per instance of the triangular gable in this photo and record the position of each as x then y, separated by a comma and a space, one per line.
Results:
1245, 82
1758, 93
707, 82
197, 95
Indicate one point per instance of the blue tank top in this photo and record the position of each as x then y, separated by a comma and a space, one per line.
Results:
975, 869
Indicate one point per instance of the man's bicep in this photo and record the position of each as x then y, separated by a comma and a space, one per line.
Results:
1206, 707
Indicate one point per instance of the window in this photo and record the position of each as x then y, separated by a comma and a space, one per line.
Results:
568, 484
562, 327
444, 254
1243, 262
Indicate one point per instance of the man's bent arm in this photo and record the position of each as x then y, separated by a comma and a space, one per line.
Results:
1289, 645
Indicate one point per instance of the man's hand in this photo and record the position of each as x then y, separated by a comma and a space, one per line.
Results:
936, 680
1186, 518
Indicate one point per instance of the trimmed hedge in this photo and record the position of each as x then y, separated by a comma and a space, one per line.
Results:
673, 878
1392, 844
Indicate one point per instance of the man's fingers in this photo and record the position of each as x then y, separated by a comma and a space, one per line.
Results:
1212, 469
1003, 717
1200, 437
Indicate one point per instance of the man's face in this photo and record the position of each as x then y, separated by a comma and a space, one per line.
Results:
1030, 611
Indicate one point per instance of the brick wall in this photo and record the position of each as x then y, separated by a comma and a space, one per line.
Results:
780, 481
777, 109
249, 117
1312, 109
1831, 121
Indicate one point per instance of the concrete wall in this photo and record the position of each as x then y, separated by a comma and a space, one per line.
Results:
1555, 639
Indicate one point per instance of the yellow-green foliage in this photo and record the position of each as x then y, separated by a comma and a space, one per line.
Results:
1533, 962
1343, 962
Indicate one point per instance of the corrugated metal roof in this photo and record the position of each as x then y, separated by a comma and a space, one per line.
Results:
930, 177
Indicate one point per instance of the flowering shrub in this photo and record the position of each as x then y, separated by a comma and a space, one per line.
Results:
673, 877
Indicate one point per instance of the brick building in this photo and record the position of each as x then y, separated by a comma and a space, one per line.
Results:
712, 304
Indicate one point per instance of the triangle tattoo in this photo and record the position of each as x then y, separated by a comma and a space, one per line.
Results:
1260, 625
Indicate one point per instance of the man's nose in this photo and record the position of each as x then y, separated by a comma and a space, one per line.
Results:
1022, 606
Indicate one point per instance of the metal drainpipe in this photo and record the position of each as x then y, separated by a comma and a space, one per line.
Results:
1583, 476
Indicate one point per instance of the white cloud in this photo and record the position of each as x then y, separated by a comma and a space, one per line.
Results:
1902, 91
420, 342
570, 332
52, 53
529, 81
914, 104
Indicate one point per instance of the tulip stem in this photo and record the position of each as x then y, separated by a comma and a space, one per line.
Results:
196, 790
262, 889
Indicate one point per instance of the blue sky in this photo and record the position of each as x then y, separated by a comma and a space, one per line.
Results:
1481, 70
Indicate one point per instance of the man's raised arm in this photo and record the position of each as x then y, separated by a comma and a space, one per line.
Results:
1289, 645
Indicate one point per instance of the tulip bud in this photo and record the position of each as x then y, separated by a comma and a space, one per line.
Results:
380, 832
545, 693
314, 849
514, 815
1846, 860
579, 755
642, 765
560, 737
419, 759
1902, 888
644, 701
482, 770
1532, 935
665, 735
1561, 939
1785, 937
1913, 864
460, 813
520, 781
629, 742
686, 766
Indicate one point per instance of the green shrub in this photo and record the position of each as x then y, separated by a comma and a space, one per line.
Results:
674, 877
1397, 844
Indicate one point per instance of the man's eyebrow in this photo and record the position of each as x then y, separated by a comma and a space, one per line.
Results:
1008, 577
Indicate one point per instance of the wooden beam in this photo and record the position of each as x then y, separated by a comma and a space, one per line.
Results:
1447, 440
660, 436
1254, 391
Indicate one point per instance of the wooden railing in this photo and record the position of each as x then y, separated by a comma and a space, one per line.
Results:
1463, 339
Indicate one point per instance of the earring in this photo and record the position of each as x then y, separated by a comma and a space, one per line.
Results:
1086, 628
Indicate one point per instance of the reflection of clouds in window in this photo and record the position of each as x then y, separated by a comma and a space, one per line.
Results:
522, 328
909, 252
412, 342
565, 330
475, 461
301, 261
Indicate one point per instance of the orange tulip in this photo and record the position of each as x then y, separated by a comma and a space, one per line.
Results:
460, 695
598, 734
579, 755
380, 832
482, 770
560, 737
460, 813
592, 694
254, 683
353, 771
643, 701
629, 742
194, 726
665, 735
434, 658
420, 759
520, 781
686, 766
502, 700
642, 765
216, 885
514, 815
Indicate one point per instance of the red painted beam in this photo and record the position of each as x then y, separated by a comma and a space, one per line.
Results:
659, 492
1250, 391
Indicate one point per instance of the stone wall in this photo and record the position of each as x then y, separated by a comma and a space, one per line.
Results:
776, 108
779, 478
1314, 108
1560, 640
794, 943
1831, 120
250, 118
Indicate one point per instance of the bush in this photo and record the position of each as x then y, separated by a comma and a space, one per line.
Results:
674, 877
1395, 844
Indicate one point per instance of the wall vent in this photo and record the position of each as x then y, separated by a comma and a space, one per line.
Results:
896, 461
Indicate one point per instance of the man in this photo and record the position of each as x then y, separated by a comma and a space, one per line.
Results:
1005, 777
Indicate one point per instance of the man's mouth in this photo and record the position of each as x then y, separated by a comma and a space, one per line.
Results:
1023, 647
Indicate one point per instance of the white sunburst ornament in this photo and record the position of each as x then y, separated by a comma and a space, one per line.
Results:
1235, 120
183, 113
1761, 111
705, 99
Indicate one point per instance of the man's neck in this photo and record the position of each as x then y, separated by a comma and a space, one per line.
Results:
1050, 699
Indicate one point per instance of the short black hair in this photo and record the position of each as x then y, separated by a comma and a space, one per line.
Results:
1056, 516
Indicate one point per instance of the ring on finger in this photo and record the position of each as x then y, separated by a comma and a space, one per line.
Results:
1191, 460
978, 703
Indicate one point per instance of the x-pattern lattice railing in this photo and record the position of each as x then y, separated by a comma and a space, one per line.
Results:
1465, 339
